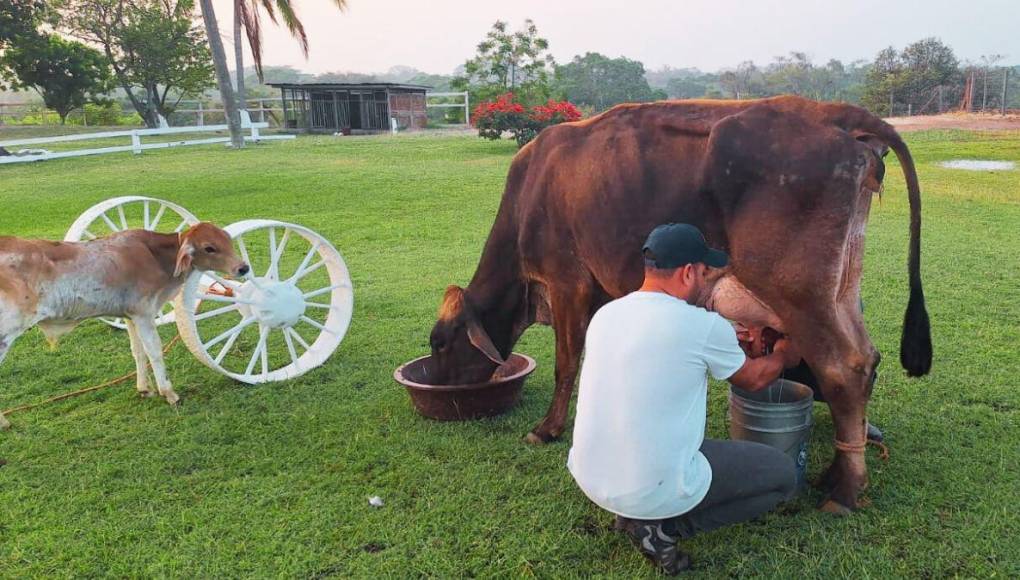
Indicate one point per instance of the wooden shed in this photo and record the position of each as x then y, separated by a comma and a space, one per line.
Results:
352, 108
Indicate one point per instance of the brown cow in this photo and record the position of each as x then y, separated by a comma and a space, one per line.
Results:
784, 185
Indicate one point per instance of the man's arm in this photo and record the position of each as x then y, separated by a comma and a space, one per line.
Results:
758, 373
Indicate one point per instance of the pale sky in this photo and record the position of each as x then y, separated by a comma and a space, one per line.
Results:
437, 35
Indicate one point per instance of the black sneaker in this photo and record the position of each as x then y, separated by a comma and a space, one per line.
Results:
662, 549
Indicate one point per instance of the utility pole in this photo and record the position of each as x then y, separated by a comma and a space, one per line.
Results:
1005, 79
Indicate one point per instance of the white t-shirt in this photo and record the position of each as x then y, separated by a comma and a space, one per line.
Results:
641, 404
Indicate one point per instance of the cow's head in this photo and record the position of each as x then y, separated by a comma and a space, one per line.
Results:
462, 351
206, 247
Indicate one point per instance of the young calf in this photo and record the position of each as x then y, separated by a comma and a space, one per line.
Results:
56, 285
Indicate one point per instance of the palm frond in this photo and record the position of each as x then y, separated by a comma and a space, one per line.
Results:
252, 24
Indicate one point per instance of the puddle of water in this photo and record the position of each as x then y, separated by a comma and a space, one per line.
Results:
978, 165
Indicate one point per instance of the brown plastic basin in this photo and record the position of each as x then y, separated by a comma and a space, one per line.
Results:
462, 402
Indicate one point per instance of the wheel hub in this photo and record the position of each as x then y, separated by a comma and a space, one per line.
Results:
273, 303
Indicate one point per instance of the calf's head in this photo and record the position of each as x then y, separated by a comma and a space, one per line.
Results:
462, 351
207, 247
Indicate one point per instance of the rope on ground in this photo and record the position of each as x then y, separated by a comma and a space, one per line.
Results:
110, 383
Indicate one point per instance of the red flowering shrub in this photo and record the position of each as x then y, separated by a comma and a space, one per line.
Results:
493, 118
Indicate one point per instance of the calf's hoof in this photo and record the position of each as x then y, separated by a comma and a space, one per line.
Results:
4, 423
145, 394
172, 398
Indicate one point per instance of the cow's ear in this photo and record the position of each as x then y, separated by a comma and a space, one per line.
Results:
480, 339
184, 258
875, 143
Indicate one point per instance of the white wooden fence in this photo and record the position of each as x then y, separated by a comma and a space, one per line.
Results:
136, 145
463, 104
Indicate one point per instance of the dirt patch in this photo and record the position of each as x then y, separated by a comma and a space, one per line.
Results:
967, 121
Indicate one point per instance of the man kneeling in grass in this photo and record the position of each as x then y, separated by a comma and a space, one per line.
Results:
639, 434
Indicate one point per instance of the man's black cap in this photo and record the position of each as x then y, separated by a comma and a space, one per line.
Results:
675, 245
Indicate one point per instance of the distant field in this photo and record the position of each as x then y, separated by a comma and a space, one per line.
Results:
274, 480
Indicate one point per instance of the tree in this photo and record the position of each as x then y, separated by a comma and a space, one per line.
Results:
743, 82
508, 62
219, 55
600, 82
20, 19
247, 17
154, 47
64, 73
911, 76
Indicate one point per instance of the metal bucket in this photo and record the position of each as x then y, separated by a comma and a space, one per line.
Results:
778, 415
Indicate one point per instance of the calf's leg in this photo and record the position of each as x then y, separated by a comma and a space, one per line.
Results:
146, 328
6, 340
141, 364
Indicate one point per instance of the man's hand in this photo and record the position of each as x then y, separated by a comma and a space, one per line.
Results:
750, 340
790, 355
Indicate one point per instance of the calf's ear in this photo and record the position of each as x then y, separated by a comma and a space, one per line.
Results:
184, 257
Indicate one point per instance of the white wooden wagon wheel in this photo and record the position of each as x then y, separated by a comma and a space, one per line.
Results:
131, 212
286, 318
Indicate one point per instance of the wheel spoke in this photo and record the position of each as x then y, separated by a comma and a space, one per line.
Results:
304, 262
308, 270
233, 284
109, 222
317, 325
221, 298
263, 332
145, 214
232, 332
216, 312
315, 293
265, 353
298, 338
320, 305
244, 251
155, 220
226, 347
90, 235
290, 348
181, 226
276, 252
123, 218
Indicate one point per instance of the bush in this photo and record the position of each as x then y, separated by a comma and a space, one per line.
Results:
504, 115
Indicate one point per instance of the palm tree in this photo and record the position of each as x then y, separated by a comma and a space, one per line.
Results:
247, 16
212, 31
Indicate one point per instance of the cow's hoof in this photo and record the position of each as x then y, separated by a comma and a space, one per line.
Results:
539, 439
145, 394
832, 506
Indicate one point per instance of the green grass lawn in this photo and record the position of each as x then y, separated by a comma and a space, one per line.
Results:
274, 480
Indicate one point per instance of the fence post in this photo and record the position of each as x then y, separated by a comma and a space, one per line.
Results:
910, 109
940, 99
467, 109
1005, 78
136, 143
201, 115
890, 103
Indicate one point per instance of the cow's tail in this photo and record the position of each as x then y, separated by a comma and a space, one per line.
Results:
915, 343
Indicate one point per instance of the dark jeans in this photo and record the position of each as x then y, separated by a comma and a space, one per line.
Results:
748, 479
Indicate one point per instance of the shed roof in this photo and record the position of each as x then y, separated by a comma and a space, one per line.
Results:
347, 86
